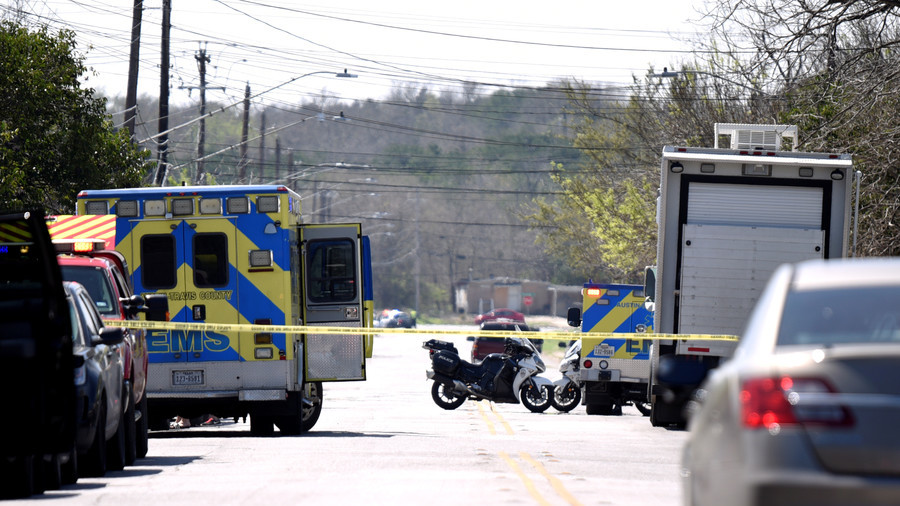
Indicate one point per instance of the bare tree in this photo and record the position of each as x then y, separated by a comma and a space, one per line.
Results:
835, 67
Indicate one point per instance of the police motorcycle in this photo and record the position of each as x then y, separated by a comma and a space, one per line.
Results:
509, 377
567, 390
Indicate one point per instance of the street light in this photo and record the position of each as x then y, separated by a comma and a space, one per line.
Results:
677, 73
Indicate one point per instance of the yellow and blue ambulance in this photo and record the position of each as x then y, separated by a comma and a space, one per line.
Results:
239, 255
615, 371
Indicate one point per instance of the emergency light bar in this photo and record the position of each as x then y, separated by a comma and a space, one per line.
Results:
78, 245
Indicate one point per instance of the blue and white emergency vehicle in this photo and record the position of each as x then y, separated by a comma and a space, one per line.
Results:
232, 255
615, 371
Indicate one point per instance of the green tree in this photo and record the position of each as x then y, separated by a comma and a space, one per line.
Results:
55, 137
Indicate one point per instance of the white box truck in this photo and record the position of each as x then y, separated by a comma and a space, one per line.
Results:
727, 218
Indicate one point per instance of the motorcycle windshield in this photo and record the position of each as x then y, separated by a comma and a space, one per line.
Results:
527, 344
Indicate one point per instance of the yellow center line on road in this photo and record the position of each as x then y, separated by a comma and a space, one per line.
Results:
555, 482
484, 417
502, 420
529, 485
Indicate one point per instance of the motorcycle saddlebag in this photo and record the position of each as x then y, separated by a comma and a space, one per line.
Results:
445, 362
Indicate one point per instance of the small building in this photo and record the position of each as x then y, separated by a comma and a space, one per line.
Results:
530, 297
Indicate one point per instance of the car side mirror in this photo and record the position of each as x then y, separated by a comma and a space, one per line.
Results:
109, 336
157, 307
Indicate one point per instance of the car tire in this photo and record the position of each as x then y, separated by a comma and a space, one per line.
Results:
115, 450
93, 462
142, 436
128, 418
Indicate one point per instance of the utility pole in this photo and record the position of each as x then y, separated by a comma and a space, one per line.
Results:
262, 144
277, 158
242, 165
418, 254
163, 140
133, 64
202, 59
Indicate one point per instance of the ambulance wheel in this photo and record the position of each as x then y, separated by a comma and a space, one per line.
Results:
445, 397
309, 413
536, 399
261, 425
605, 409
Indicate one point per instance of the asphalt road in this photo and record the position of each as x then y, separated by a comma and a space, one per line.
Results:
384, 441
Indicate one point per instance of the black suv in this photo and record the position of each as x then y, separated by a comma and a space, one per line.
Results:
37, 429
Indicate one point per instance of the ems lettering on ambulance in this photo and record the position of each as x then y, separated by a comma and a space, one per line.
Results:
199, 249
613, 308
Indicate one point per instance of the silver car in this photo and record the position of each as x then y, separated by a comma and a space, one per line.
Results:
808, 410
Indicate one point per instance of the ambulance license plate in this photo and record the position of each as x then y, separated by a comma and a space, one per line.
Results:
187, 378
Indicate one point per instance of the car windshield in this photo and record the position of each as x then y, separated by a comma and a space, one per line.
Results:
841, 316
97, 285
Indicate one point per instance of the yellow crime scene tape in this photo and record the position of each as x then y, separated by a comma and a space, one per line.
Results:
311, 329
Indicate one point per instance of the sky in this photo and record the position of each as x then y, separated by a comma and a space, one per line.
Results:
273, 44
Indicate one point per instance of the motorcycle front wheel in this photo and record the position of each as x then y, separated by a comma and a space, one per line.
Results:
535, 398
643, 407
445, 397
566, 397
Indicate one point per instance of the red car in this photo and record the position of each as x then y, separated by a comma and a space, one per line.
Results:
496, 314
104, 274
484, 346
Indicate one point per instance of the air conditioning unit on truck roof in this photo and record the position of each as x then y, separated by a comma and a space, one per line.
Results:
728, 217
756, 137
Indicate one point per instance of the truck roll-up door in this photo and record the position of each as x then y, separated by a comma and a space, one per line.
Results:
734, 238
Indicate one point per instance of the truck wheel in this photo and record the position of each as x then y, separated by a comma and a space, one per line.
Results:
18, 477
566, 398
445, 397
142, 443
262, 425
309, 413
536, 399
69, 469
51, 472
665, 414
94, 461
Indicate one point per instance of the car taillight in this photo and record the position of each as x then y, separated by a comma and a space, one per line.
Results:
776, 402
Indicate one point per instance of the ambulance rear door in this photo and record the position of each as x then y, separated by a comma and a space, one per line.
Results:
332, 284
193, 262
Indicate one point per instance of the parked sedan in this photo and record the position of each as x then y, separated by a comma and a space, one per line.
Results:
806, 412
101, 393
398, 319
502, 313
